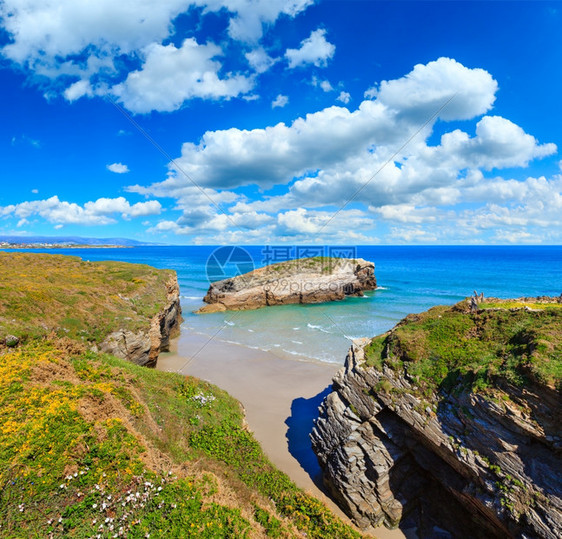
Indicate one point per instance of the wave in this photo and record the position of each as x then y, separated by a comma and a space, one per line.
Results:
381, 288
319, 328
192, 297
305, 358
296, 329
278, 350
297, 342
229, 323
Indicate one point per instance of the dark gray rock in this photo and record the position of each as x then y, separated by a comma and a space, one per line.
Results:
465, 465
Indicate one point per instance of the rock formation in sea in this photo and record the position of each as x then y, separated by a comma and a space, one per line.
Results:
144, 346
306, 280
451, 423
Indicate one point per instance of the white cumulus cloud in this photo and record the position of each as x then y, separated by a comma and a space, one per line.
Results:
98, 212
250, 17
118, 168
417, 192
280, 101
428, 87
170, 76
95, 46
344, 97
260, 60
78, 89
315, 49
347, 147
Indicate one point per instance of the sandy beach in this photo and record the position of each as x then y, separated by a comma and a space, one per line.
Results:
280, 397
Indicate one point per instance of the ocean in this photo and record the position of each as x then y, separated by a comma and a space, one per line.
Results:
410, 280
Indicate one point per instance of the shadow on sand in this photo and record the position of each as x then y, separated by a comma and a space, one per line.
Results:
300, 424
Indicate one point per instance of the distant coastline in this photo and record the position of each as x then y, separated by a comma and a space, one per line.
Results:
6, 245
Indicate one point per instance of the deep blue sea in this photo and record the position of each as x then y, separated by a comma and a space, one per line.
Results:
410, 279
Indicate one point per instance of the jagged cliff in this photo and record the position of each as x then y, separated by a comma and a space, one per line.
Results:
143, 346
306, 280
451, 422
128, 310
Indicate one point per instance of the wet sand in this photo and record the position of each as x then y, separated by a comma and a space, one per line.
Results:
280, 397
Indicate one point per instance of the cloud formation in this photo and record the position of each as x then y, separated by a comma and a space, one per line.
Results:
280, 101
427, 87
118, 168
344, 97
358, 141
123, 49
375, 160
98, 212
315, 49
170, 76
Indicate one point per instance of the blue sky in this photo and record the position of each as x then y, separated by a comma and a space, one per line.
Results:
282, 121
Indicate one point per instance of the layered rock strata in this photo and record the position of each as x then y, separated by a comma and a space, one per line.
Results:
308, 280
144, 346
462, 463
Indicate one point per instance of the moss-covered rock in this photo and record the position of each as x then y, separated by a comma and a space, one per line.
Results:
305, 280
129, 310
452, 419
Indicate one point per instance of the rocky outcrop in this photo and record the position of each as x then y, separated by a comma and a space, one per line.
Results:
307, 280
144, 346
11, 341
456, 463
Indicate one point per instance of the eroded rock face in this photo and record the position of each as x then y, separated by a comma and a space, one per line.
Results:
467, 465
306, 280
143, 347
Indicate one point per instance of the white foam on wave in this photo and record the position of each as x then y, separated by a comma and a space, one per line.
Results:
319, 328
297, 342
306, 358
192, 297
381, 288
229, 323
278, 350
296, 329
251, 330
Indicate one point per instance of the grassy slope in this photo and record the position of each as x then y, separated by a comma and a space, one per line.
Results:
501, 340
90, 444
317, 264
83, 300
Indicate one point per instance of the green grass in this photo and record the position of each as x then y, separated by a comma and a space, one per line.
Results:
88, 440
91, 444
445, 344
42, 293
507, 304
315, 264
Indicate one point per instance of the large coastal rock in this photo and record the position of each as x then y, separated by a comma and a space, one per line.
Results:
473, 453
144, 346
307, 280
129, 310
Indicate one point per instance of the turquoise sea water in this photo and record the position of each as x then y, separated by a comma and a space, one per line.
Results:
410, 279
